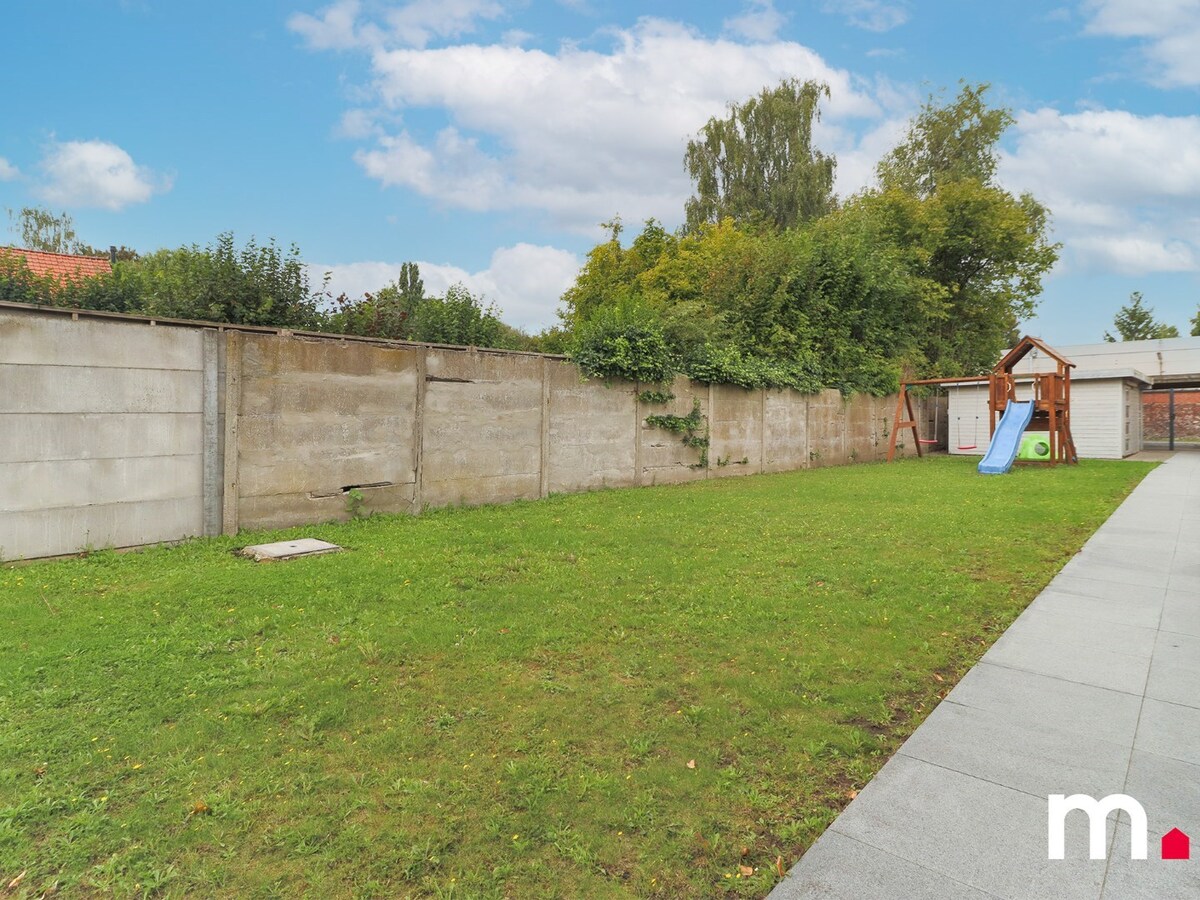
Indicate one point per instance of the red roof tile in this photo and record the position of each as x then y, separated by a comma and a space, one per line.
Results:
61, 266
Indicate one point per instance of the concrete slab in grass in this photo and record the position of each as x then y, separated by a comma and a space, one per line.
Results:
284, 550
841, 868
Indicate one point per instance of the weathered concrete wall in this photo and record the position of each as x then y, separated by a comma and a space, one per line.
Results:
592, 436
736, 427
785, 423
102, 428
317, 418
663, 458
115, 432
483, 420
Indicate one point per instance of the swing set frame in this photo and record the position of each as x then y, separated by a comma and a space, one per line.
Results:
1051, 396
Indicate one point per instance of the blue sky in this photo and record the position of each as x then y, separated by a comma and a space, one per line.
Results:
487, 139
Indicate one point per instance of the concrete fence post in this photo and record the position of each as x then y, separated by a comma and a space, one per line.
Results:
233, 411
212, 468
418, 437
544, 485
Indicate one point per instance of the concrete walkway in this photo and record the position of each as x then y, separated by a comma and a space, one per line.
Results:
1095, 689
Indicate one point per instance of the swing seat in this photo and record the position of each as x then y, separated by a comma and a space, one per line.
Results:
968, 447
926, 441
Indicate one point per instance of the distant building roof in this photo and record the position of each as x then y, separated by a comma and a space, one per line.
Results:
61, 266
1163, 361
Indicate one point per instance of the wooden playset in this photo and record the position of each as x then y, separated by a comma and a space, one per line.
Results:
1050, 411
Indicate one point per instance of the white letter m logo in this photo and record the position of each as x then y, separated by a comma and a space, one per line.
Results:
1097, 813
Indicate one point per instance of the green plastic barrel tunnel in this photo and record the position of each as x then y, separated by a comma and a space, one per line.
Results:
1035, 445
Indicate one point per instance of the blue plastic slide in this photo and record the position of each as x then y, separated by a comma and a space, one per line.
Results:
1007, 439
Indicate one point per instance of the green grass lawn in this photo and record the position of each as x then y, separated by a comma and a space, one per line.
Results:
657, 692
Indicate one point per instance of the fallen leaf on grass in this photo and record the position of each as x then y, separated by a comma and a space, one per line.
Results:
937, 677
691, 764
851, 794
200, 808
746, 871
779, 865
16, 882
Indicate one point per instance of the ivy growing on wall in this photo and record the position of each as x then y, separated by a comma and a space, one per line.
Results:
689, 427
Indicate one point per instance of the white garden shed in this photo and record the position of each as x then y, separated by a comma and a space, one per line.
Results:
1106, 394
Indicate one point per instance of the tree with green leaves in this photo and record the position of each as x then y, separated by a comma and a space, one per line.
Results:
987, 249
947, 142
758, 164
1196, 323
389, 312
1135, 322
41, 229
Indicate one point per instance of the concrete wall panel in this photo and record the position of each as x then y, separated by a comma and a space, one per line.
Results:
482, 428
593, 431
736, 431
29, 534
785, 444
79, 482
827, 428
664, 457
57, 340
32, 437
316, 418
101, 433
82, 389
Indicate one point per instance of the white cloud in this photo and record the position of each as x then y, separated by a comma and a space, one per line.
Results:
7, 170
333, 28
525, 281
581, 134
1133, 255
759, 21
340, 26
419, 22
96, 173
1123, 188
871, 15
1169, 29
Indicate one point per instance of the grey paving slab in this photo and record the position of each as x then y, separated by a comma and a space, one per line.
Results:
1106, 590
1046, 624
1095, 689
1028, 757
1102, 567
846, 869
1087, 712
1153, 878
1181, 613
985, 835
1169, 789
1169, 729
1143, 613
1175, 671
1068, 659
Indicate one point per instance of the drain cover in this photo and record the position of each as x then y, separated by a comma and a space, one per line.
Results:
281, 550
